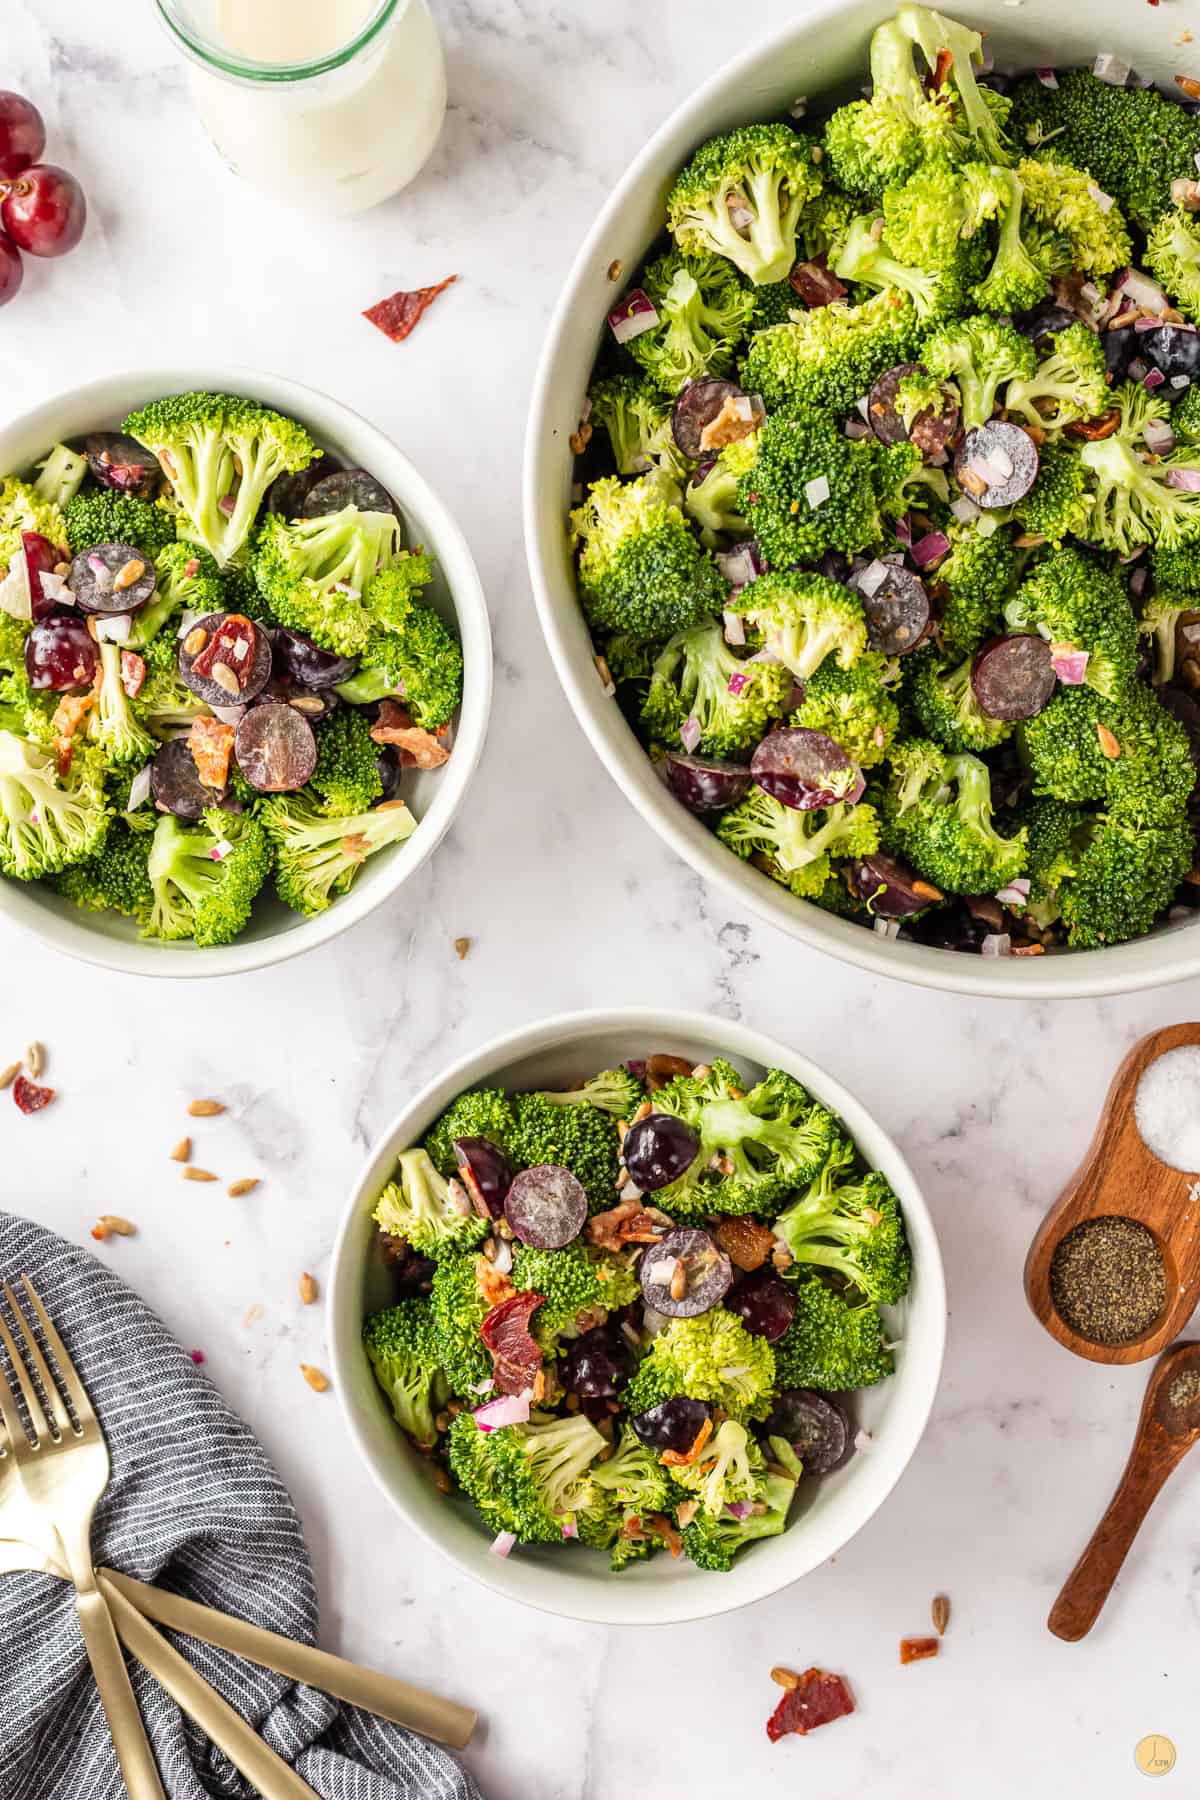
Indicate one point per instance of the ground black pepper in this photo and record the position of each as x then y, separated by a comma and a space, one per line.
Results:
1107, 1280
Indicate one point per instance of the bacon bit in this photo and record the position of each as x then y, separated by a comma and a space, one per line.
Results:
926, 890
660, 1070
133, 673
918, 1649
686, 1512
632, 1528
660, 1523
817, 1699
516, 1359
398, 315
197, 1357
29, 1097
395, 727
493, 1286
191, 567
70, 714
211, 744
1028, 950
745, 1242
621, 1225
1094, 429
680, 1459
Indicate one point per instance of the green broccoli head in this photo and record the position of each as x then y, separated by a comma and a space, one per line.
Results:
1071, 383
527, 1479
854, 707
1185, 417
318, 857
583, 1139
204, 877
111, 723
220, 453
480, 1112
800, 847
1120, 877
346, 778
973, 583
1065, 744
1053, 827
578, 1285
185, 578
835, 1342
710, 497
614, 1091
1068, 201
165, 704
936, 285
763, 1143
459, 1308
951, 52
850, 1225
979, 354
1015, 281
710, 1357
812, 489
114, 878
704, 312
104, 516
640, 569
638, 422
698, 677
1059, 504
741, 197
1080, 604
942, 696
48, 819
1177, 569
313, 573
1135, 501
827, 358
423, 1207
713, 1542
924, 217
402, 1346
729, 1470
805, 618
937, 813
420, 661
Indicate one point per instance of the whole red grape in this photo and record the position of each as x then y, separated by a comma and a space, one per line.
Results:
12, 269
22, 134
44, 210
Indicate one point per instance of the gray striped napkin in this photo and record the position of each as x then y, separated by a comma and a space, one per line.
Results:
194, 1505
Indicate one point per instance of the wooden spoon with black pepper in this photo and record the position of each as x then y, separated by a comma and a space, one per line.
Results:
1167, 1429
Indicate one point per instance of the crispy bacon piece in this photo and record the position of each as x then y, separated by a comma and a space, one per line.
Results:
659, 1522
621, 1225
516, 1359
133, 673
917, 1649
679, 1459
1092, 429
211, 743
232, 643
745, 1242
395, 727
29, 1097
69, 715
661, 1069
817, 1699
397, 316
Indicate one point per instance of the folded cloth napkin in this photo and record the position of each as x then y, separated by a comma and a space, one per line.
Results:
194, 1505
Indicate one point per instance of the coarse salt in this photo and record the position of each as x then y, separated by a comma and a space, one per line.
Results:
1167, 1108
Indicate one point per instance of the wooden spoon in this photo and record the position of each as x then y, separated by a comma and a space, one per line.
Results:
1167, 1429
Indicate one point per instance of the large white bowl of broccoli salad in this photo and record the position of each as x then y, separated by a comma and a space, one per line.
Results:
245, 670
863, 490
636, 1316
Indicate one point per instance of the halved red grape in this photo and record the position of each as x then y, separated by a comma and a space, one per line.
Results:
1013, 677
546, 1206
411, 1272
485, 1172
658, 1150
598, 1364
706, 783
898, 612
176, 785
122, 463
275, 748
22, 133
697, 405
764, 1304
61, 656
347, 487
673, 1424
814, 1425
111, 578
41, 558
307, 663
706, 1274
804, 769
288, 492
996, 464
889, 886
12, 270
930, 431
44, 211
388, 764
253, 670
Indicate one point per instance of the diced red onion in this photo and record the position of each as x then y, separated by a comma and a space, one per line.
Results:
738, 567
115, 628
799, 106
1088, 290
749, 408
737, 684
502, 1543
1146, 323
54, 587
735, 625
733, 1371
1047, 77
1103, 201
903, 529
653, 1320
1177, 381
1016, 893
854, 795
1188, 480
1138, 581
816, 491
1158, 437
339, 587
139, 789
765, 656
689, 733
886, 928
570, 1529
994, 467
964, 509
996, 943
740, 215
507, 1409
795, 697
894, 559
221, 849
485, 1386
1070, 665
631, 1191
502, 1262
863, 1440
855, 428
929, 548
187, 619
738, 1509
230, 715
636, 313
863, 403
98, 566
1137, 368
1110, 68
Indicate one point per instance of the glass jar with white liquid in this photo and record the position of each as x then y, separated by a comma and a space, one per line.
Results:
331, 105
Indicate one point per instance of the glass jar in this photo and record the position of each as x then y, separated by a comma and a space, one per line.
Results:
331, 106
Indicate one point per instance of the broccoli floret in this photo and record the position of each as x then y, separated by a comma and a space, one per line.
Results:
571, 1281
698, 676
480, 1112
402, 1346
1136, 501
1059, 504
526, 1478
765, 171
805, 618
920, 392
835, 1342
703, 310
711, 1357
942, 696
392, 594
983, 112
853, 707
713, 1543
1185, 418
318, 857
1177, 568
185, 578
1078, 603
580, 1138
812, 489
638, 423
346, 777
419, 660
112, 724
313, 572
1065, 199
711, 495
1014, 282
1160, 618
852, 1228
165, 704
1072, 382
1120, 878
1052, 826
1151, 779
974, 582
614, 1091
115, 878
937, 813
420, 1207
629, 1495
1063, 745
924, 219
979, 354
196, 893
875, 144
23, 509
640, 569
104, 516
765, 1143
60, 476
729, 1469
459, 1309
829, 357
801, 846
220, 453
48, 820
935, 288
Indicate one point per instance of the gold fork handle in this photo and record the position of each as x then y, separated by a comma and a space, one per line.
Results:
264, 1770
134, 1754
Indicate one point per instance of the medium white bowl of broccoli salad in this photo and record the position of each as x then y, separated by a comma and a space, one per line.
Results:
637, 1316
245, 670
863, 491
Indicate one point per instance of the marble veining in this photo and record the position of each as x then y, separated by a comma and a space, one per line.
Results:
569, 901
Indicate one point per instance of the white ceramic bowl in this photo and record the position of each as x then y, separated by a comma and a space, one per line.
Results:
823, 52
275, 932
570, 1580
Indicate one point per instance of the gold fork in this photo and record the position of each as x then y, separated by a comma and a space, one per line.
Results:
63, 1466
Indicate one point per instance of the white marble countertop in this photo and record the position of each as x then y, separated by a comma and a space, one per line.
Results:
570, 901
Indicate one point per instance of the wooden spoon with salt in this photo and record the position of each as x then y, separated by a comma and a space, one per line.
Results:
1167, 1429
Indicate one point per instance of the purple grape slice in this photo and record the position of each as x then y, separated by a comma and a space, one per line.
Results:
1013, 677
673, 1424
999, 462
658, 1150
253, 672
889, 886
598, 1364
708, 1274
485, 1172
804, 769
307, 663
705, 783
288, 492
176, 785
898, 612
930, 432
96, 572
764, 1304
814, 1425
697, 405
347, 487
121, 463
546, 1206
275, 748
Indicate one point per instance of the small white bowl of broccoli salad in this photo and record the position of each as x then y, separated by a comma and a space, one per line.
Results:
244, 671
886, 507
660, 1315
